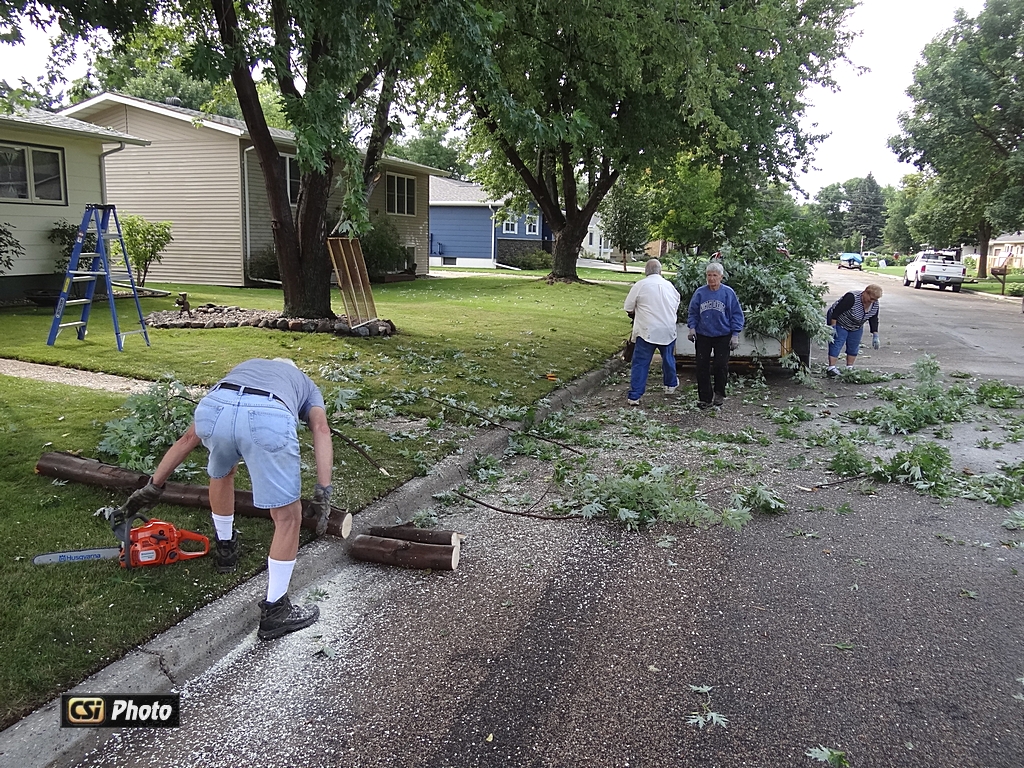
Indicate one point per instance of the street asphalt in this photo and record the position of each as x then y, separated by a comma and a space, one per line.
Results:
564, 643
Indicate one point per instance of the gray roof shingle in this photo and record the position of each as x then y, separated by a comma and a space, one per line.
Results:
453, 191
40, 118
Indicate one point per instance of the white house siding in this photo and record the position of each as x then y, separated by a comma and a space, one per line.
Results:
33, 221
189, 176
414, 231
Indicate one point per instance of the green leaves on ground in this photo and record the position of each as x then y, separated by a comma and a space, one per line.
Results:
155, 420
760, 498
828, 755
926, 466
643, 495
848, 461
705, 716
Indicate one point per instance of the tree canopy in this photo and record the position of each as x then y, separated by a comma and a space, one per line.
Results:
967, 122
579, 92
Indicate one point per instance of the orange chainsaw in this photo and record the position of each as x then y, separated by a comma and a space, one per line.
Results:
155, 542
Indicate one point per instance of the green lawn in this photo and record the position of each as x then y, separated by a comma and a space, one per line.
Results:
486, 343
636, 272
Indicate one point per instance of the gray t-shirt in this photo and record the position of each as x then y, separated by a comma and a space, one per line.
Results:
295, 388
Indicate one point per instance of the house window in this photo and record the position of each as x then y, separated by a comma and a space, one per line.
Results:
31, 174
532, 224
510, 227
448, 261
292, 177
590, 238
401, 195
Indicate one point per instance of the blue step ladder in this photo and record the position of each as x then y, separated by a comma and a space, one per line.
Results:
105, 263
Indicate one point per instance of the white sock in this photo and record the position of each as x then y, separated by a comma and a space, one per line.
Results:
223, 524
279, 573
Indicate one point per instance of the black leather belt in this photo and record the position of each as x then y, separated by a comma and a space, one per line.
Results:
247, 390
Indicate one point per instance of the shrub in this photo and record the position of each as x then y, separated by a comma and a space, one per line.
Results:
383, 250
263, 265
1016, 289
9, 247
64, 234
145, 241
537, 259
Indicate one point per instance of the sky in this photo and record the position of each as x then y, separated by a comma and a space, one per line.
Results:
862, 116
859, 118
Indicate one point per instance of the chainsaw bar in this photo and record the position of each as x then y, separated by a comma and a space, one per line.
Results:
78, 555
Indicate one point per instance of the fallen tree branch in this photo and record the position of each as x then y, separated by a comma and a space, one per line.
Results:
502, 426
361, 452
92, 472
839, 482
513, 512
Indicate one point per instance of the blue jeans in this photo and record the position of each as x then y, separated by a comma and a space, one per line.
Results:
233, 426
642, 356
849, 339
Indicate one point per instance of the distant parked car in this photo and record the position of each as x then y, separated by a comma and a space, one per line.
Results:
851, 260
939, 268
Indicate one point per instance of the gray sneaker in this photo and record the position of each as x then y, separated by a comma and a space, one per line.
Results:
719, 401
281, 617
225, 556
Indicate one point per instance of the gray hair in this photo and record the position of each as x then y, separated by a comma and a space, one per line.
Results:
653, 267
715, 266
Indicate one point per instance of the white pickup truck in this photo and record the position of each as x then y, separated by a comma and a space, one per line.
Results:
939, 268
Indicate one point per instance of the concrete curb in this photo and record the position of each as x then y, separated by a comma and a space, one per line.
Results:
190, 648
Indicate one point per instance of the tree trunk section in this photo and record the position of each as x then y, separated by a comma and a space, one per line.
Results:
283, 226
412, 533
314, 300
566, 251
407, 554
984, 236
91, 472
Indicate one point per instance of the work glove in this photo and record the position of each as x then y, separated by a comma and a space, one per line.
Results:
319, 508
144, 499
734, 342
691, 334
875, 343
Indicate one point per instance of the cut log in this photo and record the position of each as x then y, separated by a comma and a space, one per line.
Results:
407, 554
412, 533
92, 472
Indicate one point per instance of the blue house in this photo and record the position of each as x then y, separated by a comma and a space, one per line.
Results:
465, 233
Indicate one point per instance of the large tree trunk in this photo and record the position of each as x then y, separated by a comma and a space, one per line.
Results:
302, 249
984, 236
315, 267
283, 226
566, 250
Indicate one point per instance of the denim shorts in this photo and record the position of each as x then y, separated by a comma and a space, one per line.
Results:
849, 339
260, 430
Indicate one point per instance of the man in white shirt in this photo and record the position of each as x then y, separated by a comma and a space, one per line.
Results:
653, 304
